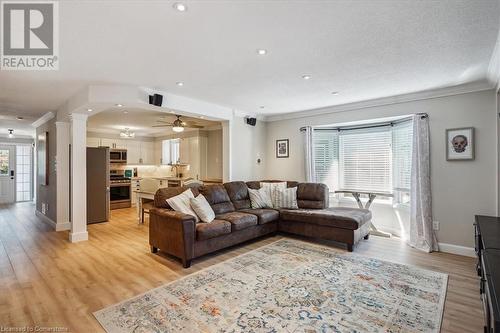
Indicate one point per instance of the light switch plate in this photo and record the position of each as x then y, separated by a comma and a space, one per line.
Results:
435, 225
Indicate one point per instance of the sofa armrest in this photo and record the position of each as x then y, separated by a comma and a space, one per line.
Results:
172, 232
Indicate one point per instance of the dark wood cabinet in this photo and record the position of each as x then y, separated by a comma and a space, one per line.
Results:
487, 245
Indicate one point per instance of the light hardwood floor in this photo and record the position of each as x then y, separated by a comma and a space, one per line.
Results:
47, 281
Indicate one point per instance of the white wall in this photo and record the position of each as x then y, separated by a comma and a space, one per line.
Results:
214, 154
247, 144
460, 189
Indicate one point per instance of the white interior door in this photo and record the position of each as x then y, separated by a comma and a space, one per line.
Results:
7, 178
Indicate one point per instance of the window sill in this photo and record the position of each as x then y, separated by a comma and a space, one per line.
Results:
353, 201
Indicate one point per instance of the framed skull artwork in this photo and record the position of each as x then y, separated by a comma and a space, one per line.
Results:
460, 144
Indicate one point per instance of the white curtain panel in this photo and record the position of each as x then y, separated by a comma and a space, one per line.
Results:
421, 234
308, 133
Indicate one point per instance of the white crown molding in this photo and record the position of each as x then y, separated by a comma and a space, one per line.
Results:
43, 119
421, 95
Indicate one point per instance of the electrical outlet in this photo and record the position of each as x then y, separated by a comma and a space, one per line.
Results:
435, 225
43, 208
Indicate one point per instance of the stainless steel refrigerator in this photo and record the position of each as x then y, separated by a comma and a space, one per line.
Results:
97, 185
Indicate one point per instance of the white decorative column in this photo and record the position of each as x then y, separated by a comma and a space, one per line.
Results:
226, 151
78, 178
63, 130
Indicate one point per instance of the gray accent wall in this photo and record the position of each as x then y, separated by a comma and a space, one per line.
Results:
47, 193
460, 189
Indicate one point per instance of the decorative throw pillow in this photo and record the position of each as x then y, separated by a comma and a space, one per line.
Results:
271, 188
181, 203
202, 208
286, 198
260, 198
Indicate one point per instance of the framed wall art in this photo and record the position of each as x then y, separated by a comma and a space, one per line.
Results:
282, 148
460, 144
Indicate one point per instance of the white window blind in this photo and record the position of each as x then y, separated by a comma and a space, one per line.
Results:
365, 159
402, 135
402, 141
326, 157
370, 159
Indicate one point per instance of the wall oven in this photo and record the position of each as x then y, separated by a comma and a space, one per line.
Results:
118, 155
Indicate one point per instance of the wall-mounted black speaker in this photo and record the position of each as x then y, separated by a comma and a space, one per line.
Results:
251, 121
156, 99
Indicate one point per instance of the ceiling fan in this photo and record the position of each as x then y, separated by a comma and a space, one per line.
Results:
177, 125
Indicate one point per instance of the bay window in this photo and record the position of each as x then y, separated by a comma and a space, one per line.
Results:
371, 158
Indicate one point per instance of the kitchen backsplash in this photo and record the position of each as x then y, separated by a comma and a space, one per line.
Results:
154, 171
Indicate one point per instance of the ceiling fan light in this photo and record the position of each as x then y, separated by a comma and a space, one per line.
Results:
127, 134
178, 129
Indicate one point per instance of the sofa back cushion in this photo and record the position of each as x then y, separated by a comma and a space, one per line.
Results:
312, 196
238, 193
255, 185
163, 194
218, 198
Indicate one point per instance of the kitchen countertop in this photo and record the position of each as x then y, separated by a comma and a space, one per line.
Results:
161, 178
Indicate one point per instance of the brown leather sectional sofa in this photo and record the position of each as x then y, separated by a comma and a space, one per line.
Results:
179, 235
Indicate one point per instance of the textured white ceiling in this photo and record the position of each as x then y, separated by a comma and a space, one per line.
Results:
364, 49
139, 121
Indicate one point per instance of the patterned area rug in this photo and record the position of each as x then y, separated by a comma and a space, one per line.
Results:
289, 286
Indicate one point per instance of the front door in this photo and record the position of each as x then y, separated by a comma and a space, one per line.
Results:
7, 179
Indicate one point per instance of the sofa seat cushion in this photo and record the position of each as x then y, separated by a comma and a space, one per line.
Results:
339, 217
238, 220
213, 229
264, 215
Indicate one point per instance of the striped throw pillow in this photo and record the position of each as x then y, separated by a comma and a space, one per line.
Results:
260, 198
272, 188
286, 198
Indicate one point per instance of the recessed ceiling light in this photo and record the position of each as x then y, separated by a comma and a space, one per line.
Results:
89, 110
261, 51
180, 84
202, 117
119, 105
335, 93
125, 112
180, 6
306, 77
19, 118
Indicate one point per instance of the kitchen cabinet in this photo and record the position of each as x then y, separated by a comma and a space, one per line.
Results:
133, 152
158, 152
93, 142
193, 151
147, 153
138, 152
114, 143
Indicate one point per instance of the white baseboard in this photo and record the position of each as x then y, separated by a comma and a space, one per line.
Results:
45, 219
78, 236
63, 226
457, 249
53, 224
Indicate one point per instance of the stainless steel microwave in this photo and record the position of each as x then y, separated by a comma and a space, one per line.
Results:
118, 155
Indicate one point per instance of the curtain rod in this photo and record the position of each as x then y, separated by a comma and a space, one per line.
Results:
375, 125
